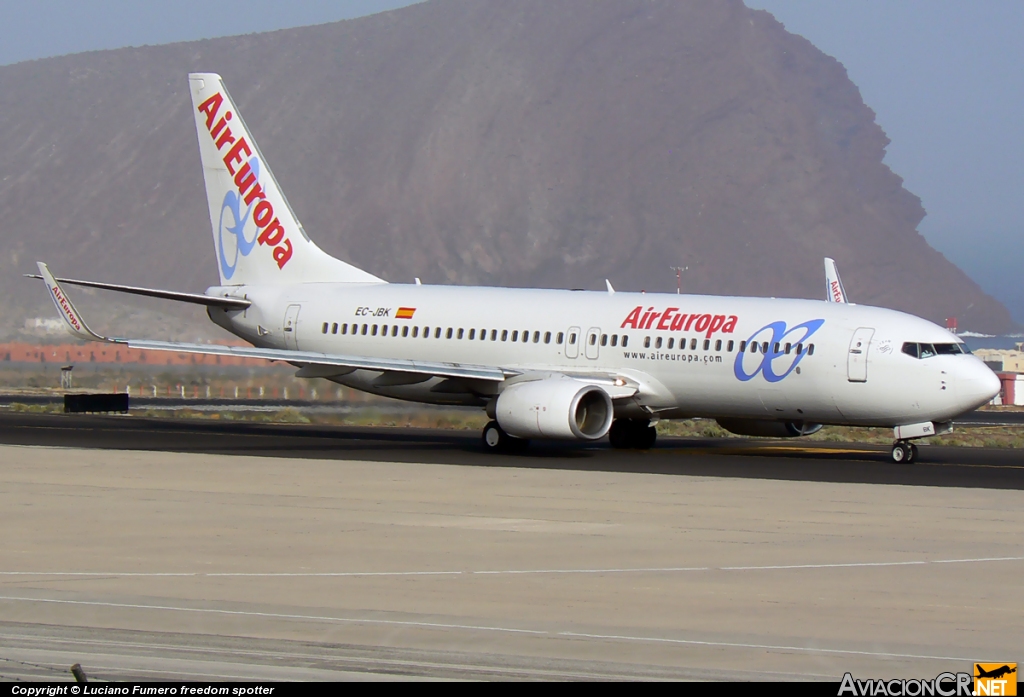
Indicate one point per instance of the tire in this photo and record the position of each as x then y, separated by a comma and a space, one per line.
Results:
901, 453
618, 434
646, 436
913, 453
495, 440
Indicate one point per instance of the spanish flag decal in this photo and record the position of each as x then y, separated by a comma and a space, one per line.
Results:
405, 313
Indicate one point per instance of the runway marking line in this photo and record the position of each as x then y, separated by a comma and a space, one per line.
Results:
535, 632
505, 572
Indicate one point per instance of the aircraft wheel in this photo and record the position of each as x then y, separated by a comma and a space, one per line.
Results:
902, 453
495, 440
913, 453
618, 434
646, 437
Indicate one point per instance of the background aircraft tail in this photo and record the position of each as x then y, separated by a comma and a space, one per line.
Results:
258, 238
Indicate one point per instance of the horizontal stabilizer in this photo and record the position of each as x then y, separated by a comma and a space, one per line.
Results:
208, 300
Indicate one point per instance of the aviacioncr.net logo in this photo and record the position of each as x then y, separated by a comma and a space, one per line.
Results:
234, 222
770, 357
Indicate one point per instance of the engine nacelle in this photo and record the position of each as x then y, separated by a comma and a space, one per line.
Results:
768, 429
560, 408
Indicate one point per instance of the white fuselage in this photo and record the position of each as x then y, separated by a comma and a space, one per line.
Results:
682, 350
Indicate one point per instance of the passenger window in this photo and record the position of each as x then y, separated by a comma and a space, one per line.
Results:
504, 335
536, 337
344, 329
526, 335
572, 338
593, 339
764, 347
647, 342
515, 335
494, 335
448, 334
415, 332
693, 344
460, 332
625, 340
365, 329
405, 331
799, 349
472, 334
743, 346
547, 337
559, 338
789, 347
777, 347
657, 343
810, 350
334, 328
394, 330
437, 332
753, 347
671, 343
718, 345
615, 340
707, 344
729, 347
373, 330
604, 339
325, 327
426, 332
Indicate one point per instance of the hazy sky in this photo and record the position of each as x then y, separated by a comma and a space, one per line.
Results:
945, 78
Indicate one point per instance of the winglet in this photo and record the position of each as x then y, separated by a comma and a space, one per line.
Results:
73, 321
834, 291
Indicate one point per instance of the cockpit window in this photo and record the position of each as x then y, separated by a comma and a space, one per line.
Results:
928, 350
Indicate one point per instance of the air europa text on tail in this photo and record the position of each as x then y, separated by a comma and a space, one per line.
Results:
272, 232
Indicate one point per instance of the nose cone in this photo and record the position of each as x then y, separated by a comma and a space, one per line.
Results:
976, 384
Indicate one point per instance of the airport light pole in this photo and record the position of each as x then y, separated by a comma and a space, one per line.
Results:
679, 277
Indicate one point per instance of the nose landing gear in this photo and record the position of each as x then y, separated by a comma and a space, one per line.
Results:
904, 452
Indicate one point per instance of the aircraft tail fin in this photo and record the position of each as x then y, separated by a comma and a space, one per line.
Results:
258, 238
834, 291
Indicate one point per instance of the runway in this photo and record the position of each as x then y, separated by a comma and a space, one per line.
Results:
152, 548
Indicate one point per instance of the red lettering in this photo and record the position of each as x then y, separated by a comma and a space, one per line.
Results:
245, 178
677, 322
273, 234
690, 321
716, 323
210, 107
631, 318
256, 192
663, 324
220, 125
235, 154
650, 321
225, 139
702, 323
263, 214
730, 325
282, 254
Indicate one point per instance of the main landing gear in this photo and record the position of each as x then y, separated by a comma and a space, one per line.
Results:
632, 434
495, 440
904, 452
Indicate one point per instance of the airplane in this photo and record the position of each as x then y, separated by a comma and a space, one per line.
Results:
551, 364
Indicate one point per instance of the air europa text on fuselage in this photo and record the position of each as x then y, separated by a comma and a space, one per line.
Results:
273, 233
671, 320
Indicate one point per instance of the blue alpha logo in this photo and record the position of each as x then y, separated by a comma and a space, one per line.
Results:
774, 351
233, 221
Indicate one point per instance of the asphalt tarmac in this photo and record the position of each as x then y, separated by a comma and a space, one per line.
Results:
148, 549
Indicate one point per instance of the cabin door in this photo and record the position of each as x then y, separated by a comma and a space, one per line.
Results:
592, 346
857, 364
291, 324
572, 342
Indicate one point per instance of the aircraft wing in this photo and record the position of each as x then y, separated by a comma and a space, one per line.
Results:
76, 325
834, 291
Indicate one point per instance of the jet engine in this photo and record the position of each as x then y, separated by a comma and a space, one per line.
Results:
560, 408
768, 429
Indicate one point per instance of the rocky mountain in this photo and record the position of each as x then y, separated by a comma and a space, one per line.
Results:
511, 142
